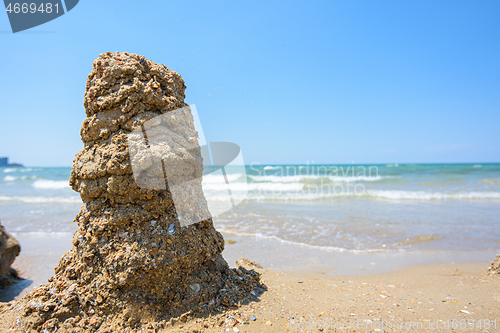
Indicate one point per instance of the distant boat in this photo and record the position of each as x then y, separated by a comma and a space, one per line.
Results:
4, 162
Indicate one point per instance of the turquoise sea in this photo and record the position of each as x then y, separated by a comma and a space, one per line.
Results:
354, 208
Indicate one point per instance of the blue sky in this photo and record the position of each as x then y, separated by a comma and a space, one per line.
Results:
290, 82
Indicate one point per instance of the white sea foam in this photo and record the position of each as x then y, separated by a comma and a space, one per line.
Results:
284, 241
296, 196
43, 234
306, 195
277, 179
267, 187
421, 195
10, 178
7, 170
28, 169
355, 178
299, 178
271, 167
489, 181
51, 184
219, 179
68, 200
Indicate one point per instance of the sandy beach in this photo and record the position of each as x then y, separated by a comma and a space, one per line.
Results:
327, 166
438, 297
314, 291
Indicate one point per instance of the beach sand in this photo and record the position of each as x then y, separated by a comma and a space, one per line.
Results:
420, 298
311, 290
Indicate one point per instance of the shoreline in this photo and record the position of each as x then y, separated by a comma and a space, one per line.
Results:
288, 258
40, 254
316, 296
430, 297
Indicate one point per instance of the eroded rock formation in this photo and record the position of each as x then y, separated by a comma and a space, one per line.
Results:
9, 250
132, 264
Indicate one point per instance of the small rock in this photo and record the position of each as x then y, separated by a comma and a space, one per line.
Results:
252, 318
269, 323
247, 262
9, 250
494, 268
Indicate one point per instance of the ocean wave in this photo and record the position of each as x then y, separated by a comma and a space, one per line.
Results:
305, 178
489, 181
318, 247
419, 239
43, 234
10, 178
50, 184
271, 167
421, 195
243, 187
219, 178
306, 195
68, 200
7, 170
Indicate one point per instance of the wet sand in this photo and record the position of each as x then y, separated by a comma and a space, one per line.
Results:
311, 289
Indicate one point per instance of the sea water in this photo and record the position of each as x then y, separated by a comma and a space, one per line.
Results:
353, 208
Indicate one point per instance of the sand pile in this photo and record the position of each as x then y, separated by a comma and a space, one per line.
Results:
133, 264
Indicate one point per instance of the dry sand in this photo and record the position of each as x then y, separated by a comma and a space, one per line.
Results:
311, 296
435, 297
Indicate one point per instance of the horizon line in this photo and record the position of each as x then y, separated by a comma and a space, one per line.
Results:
304, 164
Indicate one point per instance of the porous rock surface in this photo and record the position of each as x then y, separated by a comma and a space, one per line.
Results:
132, 265
9, 250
